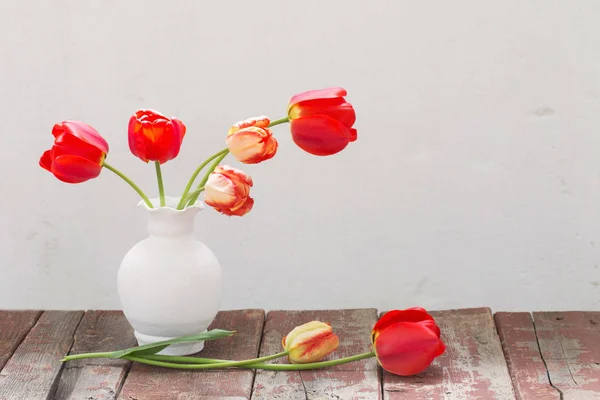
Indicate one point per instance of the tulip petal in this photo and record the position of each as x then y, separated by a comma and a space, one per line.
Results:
318, 94
319, 135
74, 169
67, 144
82, 131
415, 314
46, 160
240, 211
220, 191
336, 108
407, 348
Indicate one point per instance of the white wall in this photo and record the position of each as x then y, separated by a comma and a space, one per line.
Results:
475, 180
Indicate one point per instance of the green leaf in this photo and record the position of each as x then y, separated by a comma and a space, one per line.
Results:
153, 348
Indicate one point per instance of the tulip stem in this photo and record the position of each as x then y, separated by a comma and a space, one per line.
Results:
192, 194
130, 182
279, 121
190, 364
184, 196
207, 174
208, 361
161, 188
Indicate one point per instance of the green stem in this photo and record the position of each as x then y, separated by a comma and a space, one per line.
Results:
229, 364
246, 364
194, 175
130, 182
161, 188
207, 174
107, 354
279, 121
193, 193
198, 360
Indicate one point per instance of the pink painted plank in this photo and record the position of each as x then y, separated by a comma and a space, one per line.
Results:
570, 346
14, 325
33, 370
522, 353
97, 378
358, 380
151, 383
473, 366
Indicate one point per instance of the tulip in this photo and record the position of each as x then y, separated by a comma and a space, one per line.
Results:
154, 137
78, 152
407, 341
310, 342
321, 121
251, 141
227, 190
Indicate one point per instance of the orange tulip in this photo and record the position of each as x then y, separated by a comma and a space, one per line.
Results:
154, 137
228, 191
251, 142
310, 342
407, 341
77, 154
321, 121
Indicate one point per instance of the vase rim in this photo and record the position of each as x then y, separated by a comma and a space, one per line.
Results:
170, 205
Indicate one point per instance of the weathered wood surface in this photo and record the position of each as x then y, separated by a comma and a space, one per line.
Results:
14, 325
358, 380
473, 366
97, 378
151, 383
570, 346
32, 372
522, 353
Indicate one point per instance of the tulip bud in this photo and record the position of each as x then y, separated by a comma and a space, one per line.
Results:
154, 137
310, 342
321, 121
407, 341
251, 142
228, 191
78, 152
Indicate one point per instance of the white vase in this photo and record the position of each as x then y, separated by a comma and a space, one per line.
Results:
169, 284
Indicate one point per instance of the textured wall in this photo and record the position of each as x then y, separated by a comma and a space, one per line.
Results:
475, 179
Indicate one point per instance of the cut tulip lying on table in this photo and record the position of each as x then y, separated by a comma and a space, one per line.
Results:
405, 343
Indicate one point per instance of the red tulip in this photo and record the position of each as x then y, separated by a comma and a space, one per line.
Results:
228, 191
407, 341
251, 141
154, 137
321, 121
77, 154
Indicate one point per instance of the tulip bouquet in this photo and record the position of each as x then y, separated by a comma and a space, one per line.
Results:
405, 342
320, 122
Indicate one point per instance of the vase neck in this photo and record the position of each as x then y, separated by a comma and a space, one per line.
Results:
170, 222
170, 226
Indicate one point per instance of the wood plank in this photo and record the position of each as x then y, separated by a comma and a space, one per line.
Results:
14, 325
473, 366
570, 346
32, 372
97, 378
522, 353
357, 380
151, 383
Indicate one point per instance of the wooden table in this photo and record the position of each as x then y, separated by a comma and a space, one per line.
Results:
544, 355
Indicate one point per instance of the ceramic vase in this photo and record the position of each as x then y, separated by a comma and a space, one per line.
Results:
169, 283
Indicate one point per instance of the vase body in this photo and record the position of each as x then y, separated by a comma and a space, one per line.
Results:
169, 284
